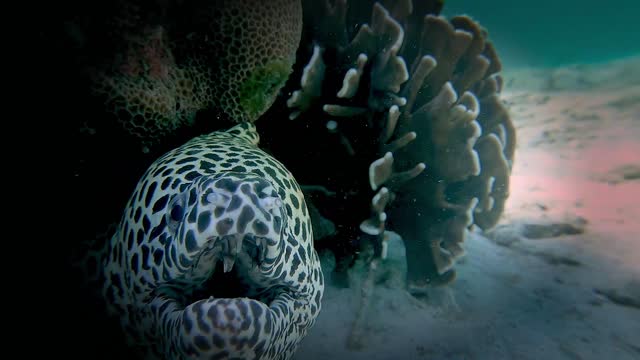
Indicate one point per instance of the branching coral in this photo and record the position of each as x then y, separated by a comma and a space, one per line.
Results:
417, 99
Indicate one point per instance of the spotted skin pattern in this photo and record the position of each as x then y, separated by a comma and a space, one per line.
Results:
218, 199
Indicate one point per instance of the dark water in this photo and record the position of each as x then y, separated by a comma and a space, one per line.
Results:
556, 32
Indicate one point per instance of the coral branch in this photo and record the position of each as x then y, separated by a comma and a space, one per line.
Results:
311, 84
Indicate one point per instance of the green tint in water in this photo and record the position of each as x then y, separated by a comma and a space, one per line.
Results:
261, 89
556, 32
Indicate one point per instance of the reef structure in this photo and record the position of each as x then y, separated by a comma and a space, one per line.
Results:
391, 118
408, 131
156, 65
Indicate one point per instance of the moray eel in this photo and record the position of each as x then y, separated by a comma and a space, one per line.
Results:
214, 256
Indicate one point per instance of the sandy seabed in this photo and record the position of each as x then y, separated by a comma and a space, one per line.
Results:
559, 277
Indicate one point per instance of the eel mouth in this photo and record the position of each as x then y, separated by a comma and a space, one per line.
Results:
228, 267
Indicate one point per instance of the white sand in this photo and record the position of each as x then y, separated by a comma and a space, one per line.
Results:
518, 297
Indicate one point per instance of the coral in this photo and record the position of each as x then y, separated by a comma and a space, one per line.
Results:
417, 97
311, 84
151, 96
247, 46
169, 60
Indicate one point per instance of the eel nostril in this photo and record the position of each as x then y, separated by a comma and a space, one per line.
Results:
271, 203
269, 190
217, 199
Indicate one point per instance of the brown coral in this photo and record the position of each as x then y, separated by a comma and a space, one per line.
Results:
465, 140
419, 101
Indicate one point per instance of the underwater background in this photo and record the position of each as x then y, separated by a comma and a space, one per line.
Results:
553, 274
550, 33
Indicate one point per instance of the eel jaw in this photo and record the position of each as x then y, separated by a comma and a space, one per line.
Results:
229, 266
215, 321
239, 328
227, 298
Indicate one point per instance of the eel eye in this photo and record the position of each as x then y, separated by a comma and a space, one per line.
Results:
176, 211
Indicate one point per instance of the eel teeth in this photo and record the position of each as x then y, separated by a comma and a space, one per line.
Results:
231, 245
261, 243
235, 244
228, 262
256, 248
228, 250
